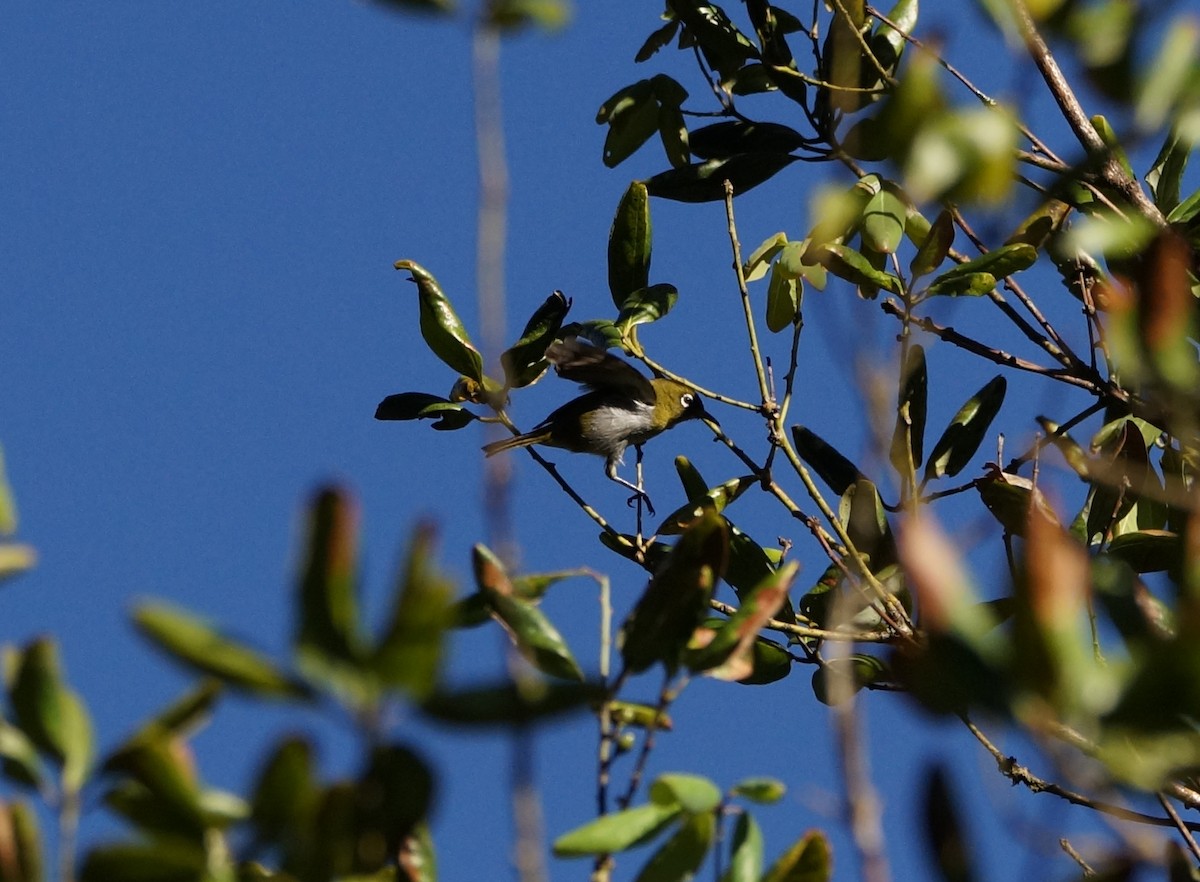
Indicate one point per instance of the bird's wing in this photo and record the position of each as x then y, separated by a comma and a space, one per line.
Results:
596, 369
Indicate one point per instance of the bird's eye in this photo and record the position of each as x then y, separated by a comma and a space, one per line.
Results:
686, 399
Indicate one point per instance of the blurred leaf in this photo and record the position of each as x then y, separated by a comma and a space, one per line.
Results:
326, 630
629, 245
944, 831
810, 859
846, 263
641, 716
50, 713
693, 793
935, 246
168, 798
833, 468
617, 831
438, 6
765, 791
908, 438
724, 139
524, 362
159, 860
705, 181
964, 434
676, 599
746, 851
514, 14
408, 655
795, 262
396, 792
681, 855
447, 415
770, 662
646, 305
189, 712
527, 626
19, 757
883, 219
967, 156
15, 559
197, 645
417, 860
285, 795
1171, 73
22, 843
839, 679
505, 704
8, 505
444, 333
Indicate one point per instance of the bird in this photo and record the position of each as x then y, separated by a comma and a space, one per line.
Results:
621, 408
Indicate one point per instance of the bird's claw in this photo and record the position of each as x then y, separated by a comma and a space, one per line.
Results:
641, 495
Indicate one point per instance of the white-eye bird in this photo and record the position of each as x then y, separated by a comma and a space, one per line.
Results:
621, 408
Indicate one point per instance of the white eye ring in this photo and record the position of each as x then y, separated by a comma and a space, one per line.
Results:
686, 399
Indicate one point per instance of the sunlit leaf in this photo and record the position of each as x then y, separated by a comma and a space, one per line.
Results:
809, 859
441, 327
962, 437
617, 831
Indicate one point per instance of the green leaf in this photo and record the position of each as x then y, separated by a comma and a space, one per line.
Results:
1165, 176
1169, 75
883, 219
285, 793
784, 295
966, 431
765, 791
646, 305
408, 655
506, 705
944, 831
26, 845
846, 263
657, 40
444, 333
423, 406
326, 595
724, 139
527, 626
676, 599
728, 656
678, 859
724, 47
159, 860
1148, 551
833, 468
840, 678
705, 181
168, 799
629, 245
1000, 262
19, 758
514, 14
969, 284
396, 792
50, 713
693, 793
760, 258
693, 482
632, 117
673, 133
524, 362
810, 859
746, 852
935, 247
199, 646
908, 437
716, 498
616, 832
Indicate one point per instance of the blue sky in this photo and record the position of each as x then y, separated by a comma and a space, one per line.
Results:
200, 206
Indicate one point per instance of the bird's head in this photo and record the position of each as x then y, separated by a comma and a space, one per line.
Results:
674, 402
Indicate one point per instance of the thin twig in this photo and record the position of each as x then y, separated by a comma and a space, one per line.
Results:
744, 293
1066, 846
1183, 828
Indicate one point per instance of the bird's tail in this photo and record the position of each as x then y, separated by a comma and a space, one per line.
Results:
516, 441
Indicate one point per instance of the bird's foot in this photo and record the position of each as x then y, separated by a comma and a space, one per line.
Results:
641, 496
